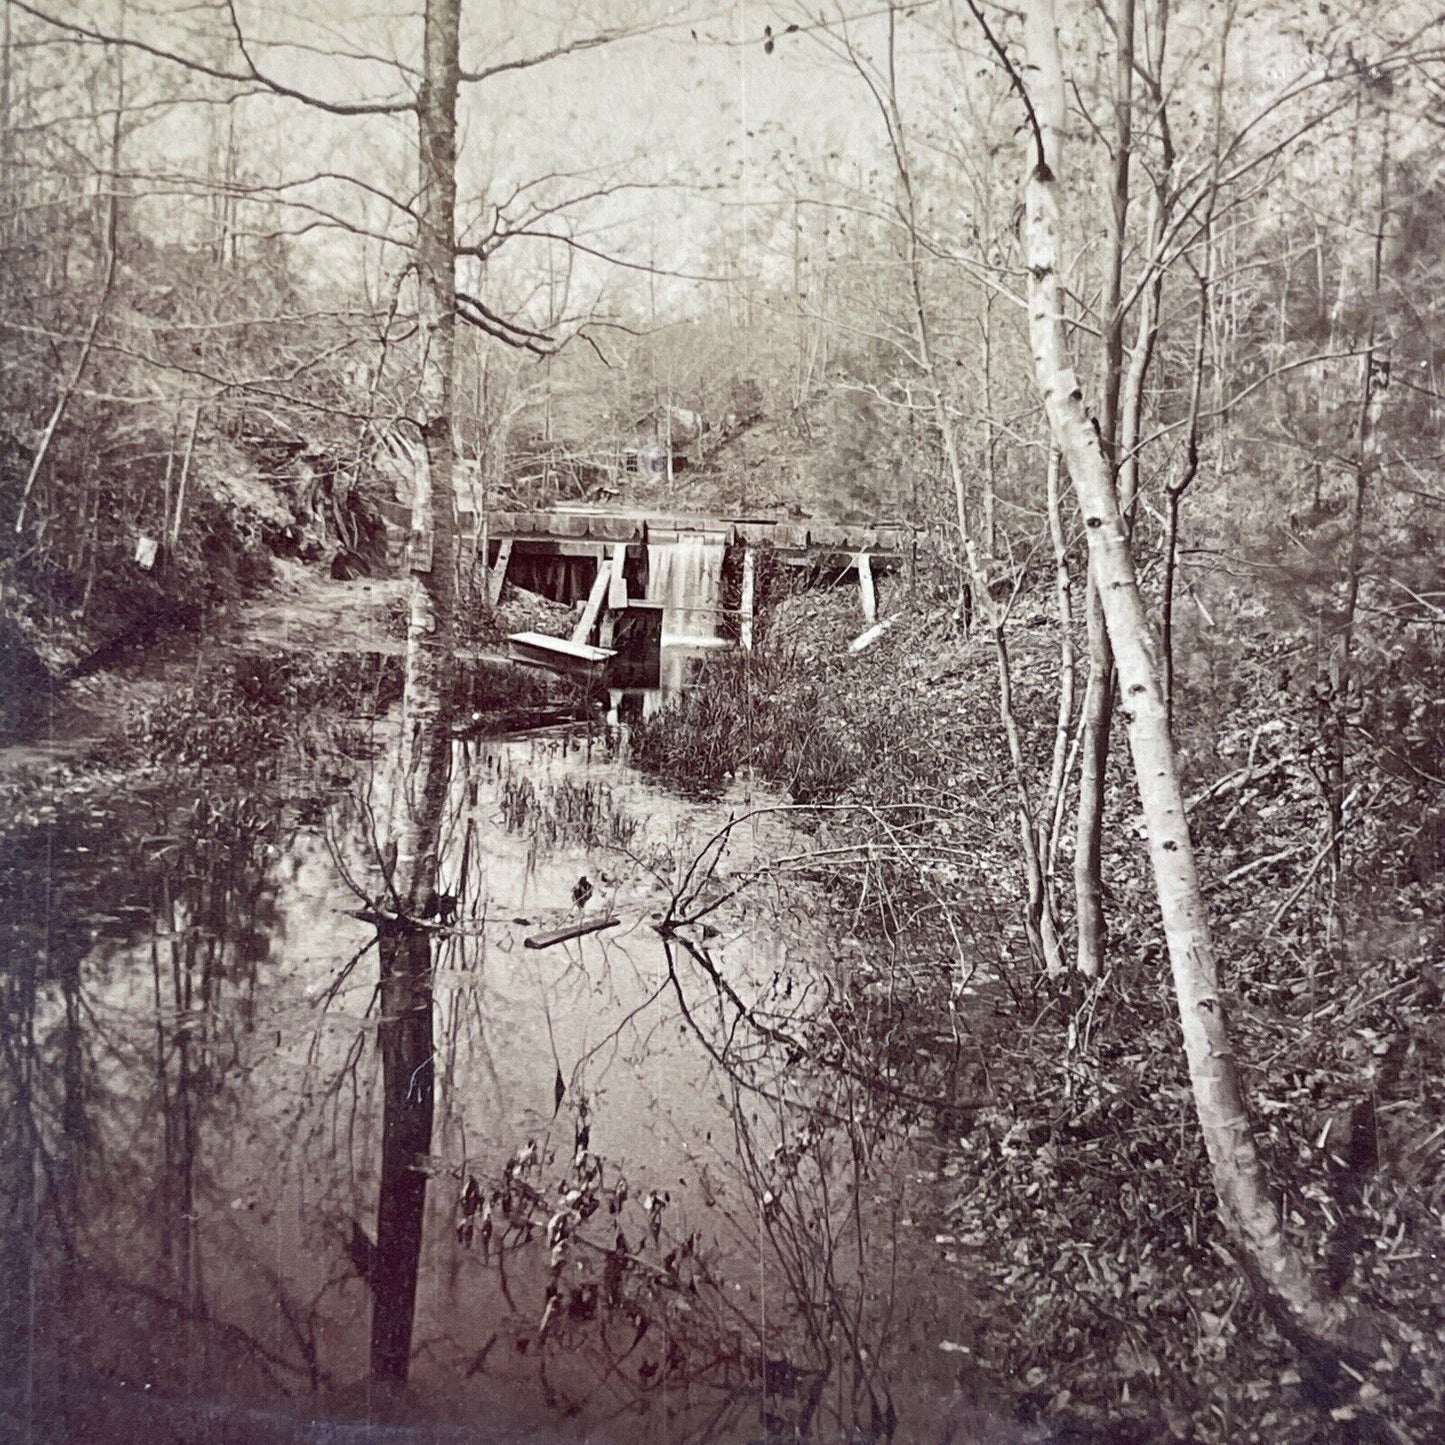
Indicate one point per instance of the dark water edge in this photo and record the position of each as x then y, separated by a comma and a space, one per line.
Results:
82, 1409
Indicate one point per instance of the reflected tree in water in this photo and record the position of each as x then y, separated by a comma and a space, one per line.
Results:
120, 1080
621, 1307
408, 1093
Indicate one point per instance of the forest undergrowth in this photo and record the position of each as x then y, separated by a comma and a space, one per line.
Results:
1106, 1302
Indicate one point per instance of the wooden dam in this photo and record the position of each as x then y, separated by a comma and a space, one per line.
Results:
645, 580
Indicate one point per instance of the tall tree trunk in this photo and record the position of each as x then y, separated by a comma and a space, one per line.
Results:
1175, 490
1098, 710
990, 480
1113, 309
1097, 716
1247, 1208
1366, 459
408, 1102
1051, 824
1131, 405
425, 750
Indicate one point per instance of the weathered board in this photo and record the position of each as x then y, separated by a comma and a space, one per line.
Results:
498, 575
572, 525
560, 654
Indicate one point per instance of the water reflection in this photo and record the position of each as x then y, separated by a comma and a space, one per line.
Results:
680, 667
264, 1150
405, 1040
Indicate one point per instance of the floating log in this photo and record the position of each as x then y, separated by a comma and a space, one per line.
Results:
576, 930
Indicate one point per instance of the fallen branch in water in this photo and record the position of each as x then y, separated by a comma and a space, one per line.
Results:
576, 930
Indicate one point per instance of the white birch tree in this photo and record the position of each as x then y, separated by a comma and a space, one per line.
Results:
1275, 1264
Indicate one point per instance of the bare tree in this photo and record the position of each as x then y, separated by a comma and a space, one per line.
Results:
1249, 1212
1034, 821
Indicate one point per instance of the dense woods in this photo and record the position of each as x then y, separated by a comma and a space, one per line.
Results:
1130, 308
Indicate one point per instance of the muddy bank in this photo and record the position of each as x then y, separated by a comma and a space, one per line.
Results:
345, 638
156, 553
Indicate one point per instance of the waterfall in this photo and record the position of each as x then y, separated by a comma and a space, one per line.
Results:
686, 577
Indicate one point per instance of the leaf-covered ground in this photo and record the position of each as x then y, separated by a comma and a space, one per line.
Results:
1078, 1203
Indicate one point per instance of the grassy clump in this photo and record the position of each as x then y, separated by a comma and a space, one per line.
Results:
766, 712
568, 813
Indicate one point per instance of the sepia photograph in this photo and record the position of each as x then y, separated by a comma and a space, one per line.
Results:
722, 722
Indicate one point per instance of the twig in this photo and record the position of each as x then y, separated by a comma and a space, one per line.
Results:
1014, 80
1246, 869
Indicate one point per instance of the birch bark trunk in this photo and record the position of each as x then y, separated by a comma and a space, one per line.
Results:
425, 744
1098, 710
1248, 1211
424, 766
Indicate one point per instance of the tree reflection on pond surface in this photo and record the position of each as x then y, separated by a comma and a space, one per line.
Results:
278, 1162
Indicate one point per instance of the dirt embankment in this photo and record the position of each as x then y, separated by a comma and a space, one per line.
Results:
81, 598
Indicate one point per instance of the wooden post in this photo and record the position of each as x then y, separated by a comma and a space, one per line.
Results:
498, 575
617, 585
185, 474
588, 620
866, 590
616, 594
745, 629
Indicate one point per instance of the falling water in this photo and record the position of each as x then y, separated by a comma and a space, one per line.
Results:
686, 577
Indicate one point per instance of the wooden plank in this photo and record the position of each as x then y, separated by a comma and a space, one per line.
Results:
572, 528
866, 639
745, 627
498, 574
557, 547
588, 619
866, 591
617, 585
751, 530
540, 644
615, 527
